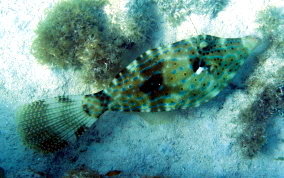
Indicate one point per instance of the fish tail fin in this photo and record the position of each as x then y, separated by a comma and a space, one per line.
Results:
52, 124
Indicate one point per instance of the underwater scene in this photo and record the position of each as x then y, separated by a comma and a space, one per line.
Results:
141, 88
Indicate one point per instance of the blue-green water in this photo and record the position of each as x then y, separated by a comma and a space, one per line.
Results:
197, 142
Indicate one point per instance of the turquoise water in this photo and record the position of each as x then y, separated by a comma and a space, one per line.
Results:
237, 134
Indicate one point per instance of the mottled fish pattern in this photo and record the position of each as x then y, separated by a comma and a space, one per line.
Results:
176, 76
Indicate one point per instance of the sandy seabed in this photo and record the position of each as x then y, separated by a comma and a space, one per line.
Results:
190, 143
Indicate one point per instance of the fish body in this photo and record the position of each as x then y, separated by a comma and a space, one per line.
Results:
176, 76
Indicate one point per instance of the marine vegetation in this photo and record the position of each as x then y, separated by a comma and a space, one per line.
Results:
77, 34
175, 11
255, 118
65, 29
176, 76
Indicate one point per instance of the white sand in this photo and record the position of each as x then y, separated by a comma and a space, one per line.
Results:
192, 143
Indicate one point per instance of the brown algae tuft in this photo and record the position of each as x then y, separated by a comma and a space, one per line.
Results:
256, 117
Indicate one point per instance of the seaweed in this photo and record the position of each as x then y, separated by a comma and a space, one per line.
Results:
78, 35
256, 117
270, 101
66, 27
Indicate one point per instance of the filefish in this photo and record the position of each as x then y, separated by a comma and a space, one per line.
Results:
184, 74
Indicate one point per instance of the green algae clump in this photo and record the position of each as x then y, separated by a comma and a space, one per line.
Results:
65, 29
77, 34
257, 116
